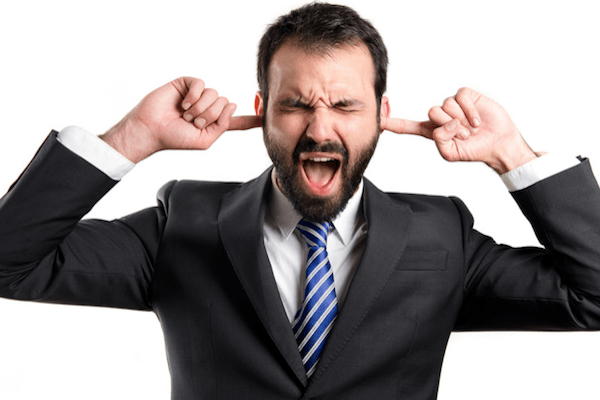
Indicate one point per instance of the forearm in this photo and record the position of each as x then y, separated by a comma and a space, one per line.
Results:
45, 203
552, 288
565, 214
47, 254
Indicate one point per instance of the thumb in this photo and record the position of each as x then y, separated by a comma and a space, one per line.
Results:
244, 122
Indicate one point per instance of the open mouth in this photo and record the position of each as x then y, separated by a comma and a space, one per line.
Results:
320, 172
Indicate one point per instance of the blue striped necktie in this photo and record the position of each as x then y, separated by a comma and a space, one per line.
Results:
319, 309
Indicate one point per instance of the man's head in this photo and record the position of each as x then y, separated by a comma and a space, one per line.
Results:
322, 73
319, 28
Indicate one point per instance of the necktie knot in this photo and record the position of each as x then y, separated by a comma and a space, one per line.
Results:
314, 233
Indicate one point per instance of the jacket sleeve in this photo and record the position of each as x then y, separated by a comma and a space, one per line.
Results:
552, 288
47, 254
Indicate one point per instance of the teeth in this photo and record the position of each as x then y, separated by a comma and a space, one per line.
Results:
320, 159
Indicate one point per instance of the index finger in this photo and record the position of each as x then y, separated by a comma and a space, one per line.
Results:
243, 122
406, 126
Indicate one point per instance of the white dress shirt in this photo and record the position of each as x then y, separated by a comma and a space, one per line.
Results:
285, 247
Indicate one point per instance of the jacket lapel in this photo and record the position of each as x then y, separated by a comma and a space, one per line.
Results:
241, 220
388, 230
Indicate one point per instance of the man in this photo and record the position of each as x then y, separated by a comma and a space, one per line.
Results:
222, 265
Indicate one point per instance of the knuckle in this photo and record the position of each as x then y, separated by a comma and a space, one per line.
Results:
194, 82
210, 114
449, 104
433, 112
210, 92
200, 85
463, 94
196, 109
461, 98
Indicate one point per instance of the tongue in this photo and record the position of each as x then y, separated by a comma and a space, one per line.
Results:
319, 173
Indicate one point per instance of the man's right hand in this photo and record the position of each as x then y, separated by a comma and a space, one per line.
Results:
183, 114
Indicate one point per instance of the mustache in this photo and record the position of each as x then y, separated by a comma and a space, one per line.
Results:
306, 145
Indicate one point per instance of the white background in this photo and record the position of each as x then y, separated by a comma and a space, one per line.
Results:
82, 63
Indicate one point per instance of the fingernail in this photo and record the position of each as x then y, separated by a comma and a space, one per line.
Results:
186, 105
463, 134
200, 122
450, 126
188, 117
476, 122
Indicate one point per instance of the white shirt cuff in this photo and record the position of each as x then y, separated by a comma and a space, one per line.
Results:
537, 170
95, 151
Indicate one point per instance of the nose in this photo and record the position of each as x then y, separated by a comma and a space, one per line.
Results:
321, 126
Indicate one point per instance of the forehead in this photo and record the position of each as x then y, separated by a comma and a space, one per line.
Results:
344, 71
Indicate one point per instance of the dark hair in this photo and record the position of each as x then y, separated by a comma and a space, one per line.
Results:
320, 27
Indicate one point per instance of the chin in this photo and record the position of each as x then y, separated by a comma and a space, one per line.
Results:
292, 177
312, 206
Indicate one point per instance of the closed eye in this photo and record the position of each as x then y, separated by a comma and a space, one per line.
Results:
346, 109
348, 106
293, 105
290, 105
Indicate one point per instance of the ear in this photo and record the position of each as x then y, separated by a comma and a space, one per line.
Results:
258, 103
384, 112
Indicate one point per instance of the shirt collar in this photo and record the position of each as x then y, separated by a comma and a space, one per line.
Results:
286, 217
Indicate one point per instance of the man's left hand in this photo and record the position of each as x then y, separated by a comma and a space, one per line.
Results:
470, 127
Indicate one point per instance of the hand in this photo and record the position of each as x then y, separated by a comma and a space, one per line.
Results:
470, 127
183, 114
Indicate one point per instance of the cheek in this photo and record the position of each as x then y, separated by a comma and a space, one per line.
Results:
358, 133
287, 129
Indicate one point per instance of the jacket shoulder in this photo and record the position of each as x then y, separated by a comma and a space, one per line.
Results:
425, 202
194, 195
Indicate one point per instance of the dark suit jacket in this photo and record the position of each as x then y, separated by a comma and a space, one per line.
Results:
198, 261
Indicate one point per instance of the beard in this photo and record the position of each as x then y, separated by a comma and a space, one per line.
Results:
289, 176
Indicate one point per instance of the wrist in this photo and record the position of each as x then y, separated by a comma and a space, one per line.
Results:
130, 139
510, 157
